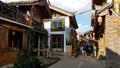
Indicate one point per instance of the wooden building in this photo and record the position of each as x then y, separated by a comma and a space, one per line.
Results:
36, 11
16, 20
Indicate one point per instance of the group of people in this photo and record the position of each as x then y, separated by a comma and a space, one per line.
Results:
88, 50
88, 47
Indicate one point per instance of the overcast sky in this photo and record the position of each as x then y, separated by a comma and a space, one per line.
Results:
72, 5
77, 6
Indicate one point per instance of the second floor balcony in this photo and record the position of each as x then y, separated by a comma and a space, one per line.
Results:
13, 13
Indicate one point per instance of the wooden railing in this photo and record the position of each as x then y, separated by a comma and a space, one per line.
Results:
12, 13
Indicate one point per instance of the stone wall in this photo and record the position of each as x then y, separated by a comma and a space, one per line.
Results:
69, 50
117, 42
112, 41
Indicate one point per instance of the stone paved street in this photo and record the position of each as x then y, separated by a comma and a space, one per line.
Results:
79, 62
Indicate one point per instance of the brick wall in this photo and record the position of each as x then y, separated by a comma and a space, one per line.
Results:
112, 41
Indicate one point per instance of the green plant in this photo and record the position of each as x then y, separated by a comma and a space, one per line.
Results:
63, 23
26, 60
31, 35
47, 62
44, 39
11, 49
36, 25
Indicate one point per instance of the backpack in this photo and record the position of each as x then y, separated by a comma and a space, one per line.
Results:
84, 47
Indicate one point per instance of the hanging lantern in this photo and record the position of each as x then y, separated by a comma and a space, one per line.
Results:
93, 37
93, 34
100, 20
28, 13
13, 32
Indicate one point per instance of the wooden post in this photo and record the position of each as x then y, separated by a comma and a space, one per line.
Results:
38, 45
29, 42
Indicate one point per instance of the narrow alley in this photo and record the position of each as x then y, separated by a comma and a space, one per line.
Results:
59, 33
79, 62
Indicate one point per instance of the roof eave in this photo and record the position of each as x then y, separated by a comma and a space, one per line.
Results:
61, 10
39, 3
104, 8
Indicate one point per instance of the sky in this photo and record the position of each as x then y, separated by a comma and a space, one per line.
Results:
76, 6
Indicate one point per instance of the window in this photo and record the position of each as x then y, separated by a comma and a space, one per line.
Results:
15, 40
58, 24
57, 41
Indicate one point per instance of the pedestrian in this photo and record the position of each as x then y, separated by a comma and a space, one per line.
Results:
89, 50
81, 48
84, 50
95, 50
87, 39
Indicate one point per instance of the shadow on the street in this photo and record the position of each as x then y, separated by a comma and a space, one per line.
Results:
112, 59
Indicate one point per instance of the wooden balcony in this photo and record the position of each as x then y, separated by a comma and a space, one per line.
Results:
13, 14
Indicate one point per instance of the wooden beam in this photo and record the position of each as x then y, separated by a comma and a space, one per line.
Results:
14, 22
38, 45
14, 28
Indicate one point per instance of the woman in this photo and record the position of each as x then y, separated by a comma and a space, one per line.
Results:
84, 50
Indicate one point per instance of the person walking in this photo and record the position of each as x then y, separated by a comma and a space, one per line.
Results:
95, 51
84, 50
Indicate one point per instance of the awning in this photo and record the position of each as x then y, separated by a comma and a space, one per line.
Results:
104, 10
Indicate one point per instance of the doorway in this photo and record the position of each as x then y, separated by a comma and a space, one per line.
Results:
57, 42
15, 39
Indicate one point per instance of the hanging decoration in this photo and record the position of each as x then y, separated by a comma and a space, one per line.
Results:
100, 20
93, 36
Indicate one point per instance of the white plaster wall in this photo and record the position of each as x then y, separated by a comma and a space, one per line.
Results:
67, 24
47, 26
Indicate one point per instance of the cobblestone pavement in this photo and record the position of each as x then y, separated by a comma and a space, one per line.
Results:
79, 62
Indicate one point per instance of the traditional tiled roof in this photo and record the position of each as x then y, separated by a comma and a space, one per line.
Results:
61, 10
89, 31
30, 2
43, 5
